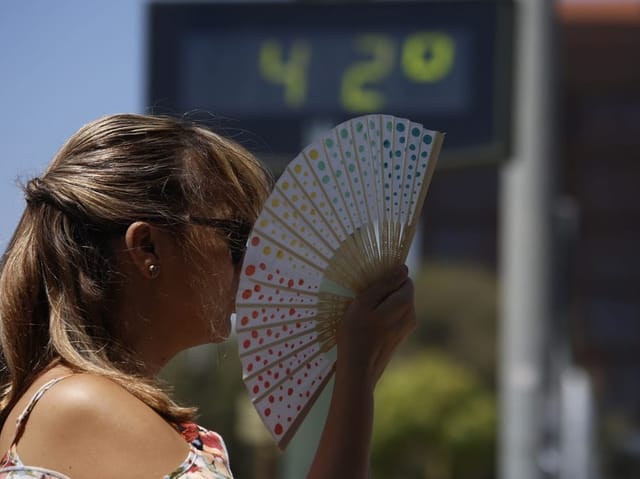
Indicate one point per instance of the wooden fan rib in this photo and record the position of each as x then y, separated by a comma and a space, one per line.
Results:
341, 270
351, 252
369, 239
388, 135
369, 243
398, 179
377, 158
352, 192
397, 133
410, 225
374, 159
348, 266
326, 305
412, 151
392, 253
348, 273
434, 153
304, 298
290, 289
375, 228
364, 164
365, 158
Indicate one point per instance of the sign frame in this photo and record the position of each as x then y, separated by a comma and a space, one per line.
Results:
490, 23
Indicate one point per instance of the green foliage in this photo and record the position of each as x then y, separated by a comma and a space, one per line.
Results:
433, 420
456, 305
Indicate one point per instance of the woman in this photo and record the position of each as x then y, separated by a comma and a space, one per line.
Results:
128, 252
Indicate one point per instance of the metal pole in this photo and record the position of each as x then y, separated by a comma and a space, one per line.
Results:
525, 243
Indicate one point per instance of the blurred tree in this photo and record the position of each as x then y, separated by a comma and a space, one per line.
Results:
433, 420
456, 305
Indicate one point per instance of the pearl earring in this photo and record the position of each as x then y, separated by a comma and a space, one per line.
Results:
154, 270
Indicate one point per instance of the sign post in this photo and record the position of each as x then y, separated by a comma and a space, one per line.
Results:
525, 254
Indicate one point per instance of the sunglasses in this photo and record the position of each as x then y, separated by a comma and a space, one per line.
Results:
236, 234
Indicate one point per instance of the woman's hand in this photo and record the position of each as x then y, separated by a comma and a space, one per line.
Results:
374, 325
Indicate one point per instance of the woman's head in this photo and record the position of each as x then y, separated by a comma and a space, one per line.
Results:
62, 270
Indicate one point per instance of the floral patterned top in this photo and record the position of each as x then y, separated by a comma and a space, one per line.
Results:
207, 458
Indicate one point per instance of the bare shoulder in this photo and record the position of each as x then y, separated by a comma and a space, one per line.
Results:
89, 426
83, 402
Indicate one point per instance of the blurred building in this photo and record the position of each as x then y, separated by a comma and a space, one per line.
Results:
596, 268
600, 130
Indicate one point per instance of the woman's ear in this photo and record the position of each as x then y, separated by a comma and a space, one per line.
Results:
141, 242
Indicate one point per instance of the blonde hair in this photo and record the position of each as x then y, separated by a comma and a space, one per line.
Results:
58, 274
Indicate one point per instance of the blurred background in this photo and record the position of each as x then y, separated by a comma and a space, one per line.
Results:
526, 362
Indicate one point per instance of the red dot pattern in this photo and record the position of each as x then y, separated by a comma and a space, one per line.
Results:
283, 403
276, 307
279, 325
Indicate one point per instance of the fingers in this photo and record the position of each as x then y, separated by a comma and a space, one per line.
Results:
375, 294
376, 323
400, 297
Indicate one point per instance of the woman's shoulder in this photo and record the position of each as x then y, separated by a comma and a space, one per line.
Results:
86, 403
92, 395
89, 426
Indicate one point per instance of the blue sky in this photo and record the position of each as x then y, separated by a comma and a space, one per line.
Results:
62, 64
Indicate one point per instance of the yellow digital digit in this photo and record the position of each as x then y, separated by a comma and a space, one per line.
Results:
355, 95
291, 72
427, 57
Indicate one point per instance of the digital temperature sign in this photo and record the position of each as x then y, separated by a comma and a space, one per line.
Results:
277, 70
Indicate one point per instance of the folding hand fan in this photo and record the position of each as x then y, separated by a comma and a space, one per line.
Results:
342, 214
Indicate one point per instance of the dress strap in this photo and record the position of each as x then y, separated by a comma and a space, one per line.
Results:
21, 422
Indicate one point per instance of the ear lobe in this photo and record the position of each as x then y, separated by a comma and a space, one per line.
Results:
141, 248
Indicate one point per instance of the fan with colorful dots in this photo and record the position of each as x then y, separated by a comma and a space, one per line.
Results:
341, 215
